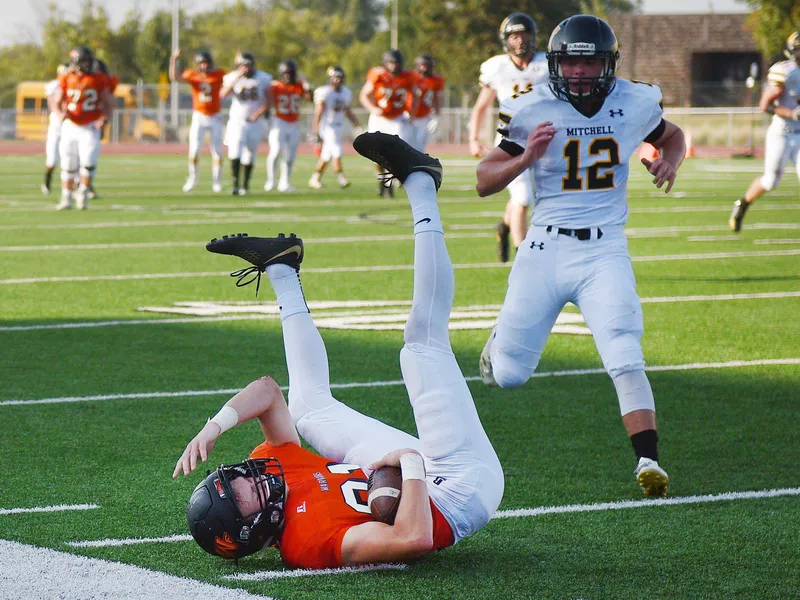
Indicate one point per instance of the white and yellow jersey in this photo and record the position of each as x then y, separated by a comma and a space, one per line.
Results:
506, 78
249, 94
786, 75
582, 179
334, 103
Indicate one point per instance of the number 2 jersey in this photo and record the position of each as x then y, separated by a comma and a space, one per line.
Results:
325, 499
582, 178
205, 90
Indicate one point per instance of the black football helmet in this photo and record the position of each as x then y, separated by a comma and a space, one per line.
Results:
248, 60
518, 23
204, 56
100, 66
287, 70
424, 64
582, 35
82, 59
393, 56
335, 71
215, 520
792, 50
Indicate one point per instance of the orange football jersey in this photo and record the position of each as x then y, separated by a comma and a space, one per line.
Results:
424, 89
205, 90
113, 82
288, 97
83, 94
391, 91
325, 499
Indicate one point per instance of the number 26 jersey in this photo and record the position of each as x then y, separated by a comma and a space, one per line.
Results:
582, 178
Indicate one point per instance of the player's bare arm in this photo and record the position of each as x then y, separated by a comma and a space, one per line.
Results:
263, 400
410, 536
264, 107
482, 104
366, 97
352, 117
174, 74
499, 168
767, 103
227, 88
319, 108
672, 148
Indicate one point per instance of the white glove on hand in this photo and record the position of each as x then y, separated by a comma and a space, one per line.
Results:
433, 125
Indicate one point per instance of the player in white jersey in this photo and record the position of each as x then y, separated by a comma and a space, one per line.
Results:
53, 129
578, 134
331, 105
251, 99
781, 97
503, 76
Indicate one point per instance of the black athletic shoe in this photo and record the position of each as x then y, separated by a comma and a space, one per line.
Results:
397, 157
502, 231
737, 214
259, 252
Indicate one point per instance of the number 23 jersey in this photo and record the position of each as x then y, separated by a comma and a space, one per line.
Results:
582, 178
325, 499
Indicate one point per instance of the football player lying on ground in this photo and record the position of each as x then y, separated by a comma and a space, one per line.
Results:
312, 507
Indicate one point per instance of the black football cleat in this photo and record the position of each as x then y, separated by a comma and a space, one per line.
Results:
502, 232
396, 156
737, 214
259, 252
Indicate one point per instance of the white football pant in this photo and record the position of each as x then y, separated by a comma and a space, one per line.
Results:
782, 145
79, 148
202, 123
243, 139
331, 142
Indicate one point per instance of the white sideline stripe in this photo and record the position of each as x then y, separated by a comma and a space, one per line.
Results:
110, 543
574, 508
47, 509
294, 573
258, 317
369, 269
733, 364
32, 572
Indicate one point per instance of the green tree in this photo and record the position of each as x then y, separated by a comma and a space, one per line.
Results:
772, 22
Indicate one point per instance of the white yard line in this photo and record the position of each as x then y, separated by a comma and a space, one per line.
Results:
734, 364
378, 268
110, 543
47, 509
295, 573
29, 572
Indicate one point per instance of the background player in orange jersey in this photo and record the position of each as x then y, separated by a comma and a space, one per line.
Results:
384, 95
113, 81
206, 82
85, 99
423, 105
288, 92
314, 507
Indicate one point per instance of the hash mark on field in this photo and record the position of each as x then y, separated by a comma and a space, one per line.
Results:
573, 508
47, 509
367, 384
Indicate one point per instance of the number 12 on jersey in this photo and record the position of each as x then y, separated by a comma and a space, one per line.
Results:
595, 179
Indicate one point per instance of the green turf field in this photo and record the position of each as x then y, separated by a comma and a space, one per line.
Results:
100, 397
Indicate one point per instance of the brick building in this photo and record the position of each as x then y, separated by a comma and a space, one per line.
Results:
698, 60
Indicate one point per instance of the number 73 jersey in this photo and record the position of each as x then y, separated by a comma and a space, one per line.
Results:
324, 499
582, 179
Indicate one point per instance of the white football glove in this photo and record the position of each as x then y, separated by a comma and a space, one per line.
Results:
433, 125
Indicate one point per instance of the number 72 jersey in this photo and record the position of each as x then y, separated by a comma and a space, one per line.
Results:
582, 179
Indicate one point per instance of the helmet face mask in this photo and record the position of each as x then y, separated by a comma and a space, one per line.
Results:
393, 61
215, 512
82, 59
792, 50
336, 76
203, 61
593, 39
247, 60
424, 64
523, 44
288, 71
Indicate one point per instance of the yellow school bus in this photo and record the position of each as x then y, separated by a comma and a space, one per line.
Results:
32, 114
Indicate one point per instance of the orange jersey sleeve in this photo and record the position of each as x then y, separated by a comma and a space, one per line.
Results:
205, 90
425, 89
392, 91
325, 499
287, 97
83, 93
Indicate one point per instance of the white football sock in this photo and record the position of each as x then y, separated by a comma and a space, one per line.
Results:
421, 192
285, 281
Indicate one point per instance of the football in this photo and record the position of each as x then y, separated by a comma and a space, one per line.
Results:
383, 493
